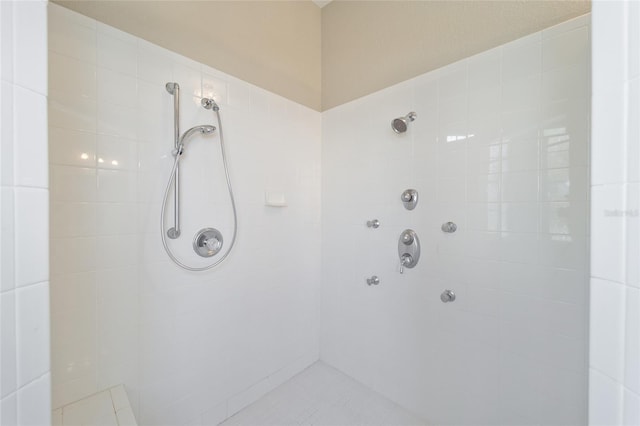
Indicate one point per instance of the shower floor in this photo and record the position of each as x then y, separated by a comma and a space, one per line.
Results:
107, 408
321, 395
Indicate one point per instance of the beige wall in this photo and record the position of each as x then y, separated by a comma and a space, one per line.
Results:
369, 45
358, 46
272, 44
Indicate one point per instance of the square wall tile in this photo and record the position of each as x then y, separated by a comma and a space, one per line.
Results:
34, 402
70, 255
631, 412
632, 341
9, 409
7, 231
8, 380
608, 232
31, 137
72, 112
608, 158
520, 186
71, 77
605, 400
73, 184
72, 34
606, 329
633, 129
117, 88
6, 133
608, 64
71, 147
153, 64
32, 332
6, 41
566, 49
632, 231
31, 224
30, 33
117, 53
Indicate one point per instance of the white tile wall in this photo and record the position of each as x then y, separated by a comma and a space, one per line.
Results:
188, 347
25, 384
500, 147
614, 374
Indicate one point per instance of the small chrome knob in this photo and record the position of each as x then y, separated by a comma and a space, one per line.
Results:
407, 238
374, 280
449, 227
409, 198
213, 244
447, 296
375, 223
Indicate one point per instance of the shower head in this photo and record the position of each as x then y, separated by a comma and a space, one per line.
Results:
399, 125
204, 129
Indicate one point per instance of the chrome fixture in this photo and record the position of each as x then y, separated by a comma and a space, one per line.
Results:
408, 249
174, 89
375, 223
449, 227
374, 280
399, 125
209, 103
409, 198
175, 232
208, 241
205, 130
448, 296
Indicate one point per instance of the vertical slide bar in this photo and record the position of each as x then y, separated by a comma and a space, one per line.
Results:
174, 89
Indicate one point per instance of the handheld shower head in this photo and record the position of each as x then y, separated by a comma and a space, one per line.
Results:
399, 125
204, 129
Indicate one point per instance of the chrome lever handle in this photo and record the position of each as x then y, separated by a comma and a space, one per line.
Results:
405, 260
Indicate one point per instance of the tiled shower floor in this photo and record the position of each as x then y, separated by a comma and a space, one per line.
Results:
107, 408
321, 395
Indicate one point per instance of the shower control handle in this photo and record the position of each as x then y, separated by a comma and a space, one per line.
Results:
409, 199
406, 260
407, 238
408, 249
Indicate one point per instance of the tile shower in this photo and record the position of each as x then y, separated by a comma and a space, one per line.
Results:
500, 146
185, 345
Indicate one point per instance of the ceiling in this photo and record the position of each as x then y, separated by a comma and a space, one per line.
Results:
325, 53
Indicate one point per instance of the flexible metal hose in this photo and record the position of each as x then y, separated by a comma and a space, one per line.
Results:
233, 207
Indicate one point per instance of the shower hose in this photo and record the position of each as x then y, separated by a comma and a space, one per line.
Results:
233, 207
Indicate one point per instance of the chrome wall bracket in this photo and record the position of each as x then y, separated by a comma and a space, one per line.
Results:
374, 280
409, 198
375, 223
408, 249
